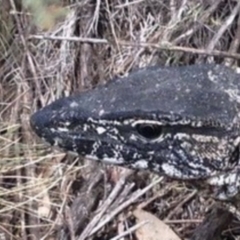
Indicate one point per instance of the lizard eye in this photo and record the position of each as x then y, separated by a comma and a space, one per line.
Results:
149, 131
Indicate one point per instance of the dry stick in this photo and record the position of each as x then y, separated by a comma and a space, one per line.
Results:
182, 221
223, 28
85, 52
165, 47
235, 43
86, 232
205, 16
59, 214
112, 27
29, 172
123, 195
183, 49
181, 10
165, 33
24, 42
166, 189
189, 197
72, 39
129, 4
130, 230
85, 203
173, 11
95, 19
124, 205
68, 29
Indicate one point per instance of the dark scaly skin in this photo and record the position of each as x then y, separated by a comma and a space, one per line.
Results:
182, 122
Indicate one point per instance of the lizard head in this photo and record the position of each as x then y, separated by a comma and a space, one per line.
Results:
174, 121
163, 143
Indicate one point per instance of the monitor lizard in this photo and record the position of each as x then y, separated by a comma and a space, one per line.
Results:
181, 122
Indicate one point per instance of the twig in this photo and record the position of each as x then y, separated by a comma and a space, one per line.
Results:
166, 46
129, 4
124, 205
184, 49
130, 230
189, 197
223, 28
173, 11
112, 26
204, 17
73, 39
87, 231
159, 194
235, 43
181, 10
95, 19
24, 42
182, 221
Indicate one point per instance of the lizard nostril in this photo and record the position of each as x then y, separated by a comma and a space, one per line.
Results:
149, 131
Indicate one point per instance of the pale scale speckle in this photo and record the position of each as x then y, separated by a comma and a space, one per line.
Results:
223, 179
140, 164
133, 137
233, 94
212, 77
205, 139
171, 170
61, 129
100, 130
101, 112
74, 104
57, 141
113, 160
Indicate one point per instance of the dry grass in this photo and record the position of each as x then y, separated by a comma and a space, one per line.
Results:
49, 195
